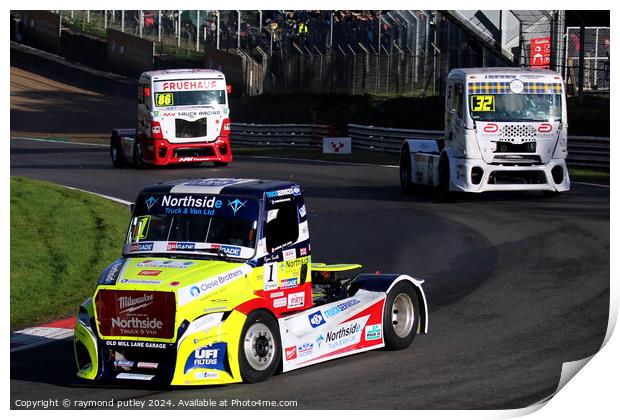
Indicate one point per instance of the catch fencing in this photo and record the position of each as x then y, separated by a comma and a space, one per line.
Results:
583, 151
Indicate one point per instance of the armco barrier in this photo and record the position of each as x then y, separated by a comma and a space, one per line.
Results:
289, 135
583, 151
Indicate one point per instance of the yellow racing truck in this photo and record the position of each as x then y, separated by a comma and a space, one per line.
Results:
216, 285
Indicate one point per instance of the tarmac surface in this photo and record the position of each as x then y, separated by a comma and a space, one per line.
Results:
517, 283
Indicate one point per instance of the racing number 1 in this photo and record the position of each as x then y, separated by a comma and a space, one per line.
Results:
271, 276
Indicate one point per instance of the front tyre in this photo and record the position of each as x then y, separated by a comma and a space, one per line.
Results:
219, 164
259, 347
401, 316
118, 160
405, 169
442, 192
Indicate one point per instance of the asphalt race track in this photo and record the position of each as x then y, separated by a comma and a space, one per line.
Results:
517, 283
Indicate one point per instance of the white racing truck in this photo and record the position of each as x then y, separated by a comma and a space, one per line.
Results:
505, 130
183, 116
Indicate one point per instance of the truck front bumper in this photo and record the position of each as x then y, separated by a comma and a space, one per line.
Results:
472, 175
163, 152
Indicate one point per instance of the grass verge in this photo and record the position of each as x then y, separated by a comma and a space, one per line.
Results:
60, 241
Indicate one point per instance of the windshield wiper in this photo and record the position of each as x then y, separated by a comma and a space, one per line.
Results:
220, 253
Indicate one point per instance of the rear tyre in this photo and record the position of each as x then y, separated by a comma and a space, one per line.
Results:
219, 164
401, 316
260, 350
405, 170
116, 153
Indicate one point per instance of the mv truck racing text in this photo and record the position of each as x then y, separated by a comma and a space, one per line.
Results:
183, 116
505, 130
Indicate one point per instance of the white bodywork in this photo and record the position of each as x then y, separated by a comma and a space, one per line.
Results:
509, 155
183, 81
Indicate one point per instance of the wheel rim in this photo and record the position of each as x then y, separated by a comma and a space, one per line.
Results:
403, 315
259, 346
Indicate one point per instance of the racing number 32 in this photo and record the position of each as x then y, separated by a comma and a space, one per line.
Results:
164, 99
483, 103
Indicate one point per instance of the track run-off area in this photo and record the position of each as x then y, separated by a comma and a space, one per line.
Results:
517, 283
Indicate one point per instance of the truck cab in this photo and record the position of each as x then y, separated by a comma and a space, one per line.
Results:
505, 130
183, 116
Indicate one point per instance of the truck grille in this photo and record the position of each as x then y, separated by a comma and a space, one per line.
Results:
511, 133
190, 129
133, 313
517, 177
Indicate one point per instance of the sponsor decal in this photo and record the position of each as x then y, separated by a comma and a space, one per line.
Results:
165, 264
147, 365
149, 273
294, 190
347, 334
290, 353
319, 340
339, 308
305, 349
213, 182
139, 281
293, 264
289, 254
135, 314
189, 85
303, 251
302, 211
113, 272
206, 375
190, 204
228, 249
208, 357
180, 246
141, 247
296, 300
316, 319
123, 363
174, 283
373, 332
150, 202
135, 344
189, 293
276, 294
136, 376
288, 283
516, 86
279, 302
236, 204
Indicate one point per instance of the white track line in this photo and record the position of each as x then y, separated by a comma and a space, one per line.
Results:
37, 336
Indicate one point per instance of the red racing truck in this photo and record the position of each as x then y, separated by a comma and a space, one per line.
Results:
183, 116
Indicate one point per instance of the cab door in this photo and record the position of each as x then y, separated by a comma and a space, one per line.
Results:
456, 113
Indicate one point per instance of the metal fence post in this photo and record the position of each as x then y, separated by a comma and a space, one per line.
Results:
197, 30
179, 29
122, 21
159, 26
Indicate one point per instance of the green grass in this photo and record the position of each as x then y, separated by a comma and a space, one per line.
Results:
589, 175
61, 240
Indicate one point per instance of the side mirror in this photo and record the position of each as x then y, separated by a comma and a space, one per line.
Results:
229, 89
132, 206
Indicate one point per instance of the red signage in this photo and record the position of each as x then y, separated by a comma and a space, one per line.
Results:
540, 53
132, 313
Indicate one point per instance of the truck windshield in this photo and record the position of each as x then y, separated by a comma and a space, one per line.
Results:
516, 107
190, 97
193, 223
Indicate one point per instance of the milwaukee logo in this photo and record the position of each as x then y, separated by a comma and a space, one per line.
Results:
129, 304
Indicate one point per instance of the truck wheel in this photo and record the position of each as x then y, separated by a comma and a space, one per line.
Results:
443, 193
405, 170
118, 159
138, 160
551, 193
259, 347
401, 316
219, 164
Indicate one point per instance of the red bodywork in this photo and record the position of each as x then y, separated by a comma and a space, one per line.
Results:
162, 152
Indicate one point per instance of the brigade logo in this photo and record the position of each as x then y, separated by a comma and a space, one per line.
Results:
150, 202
